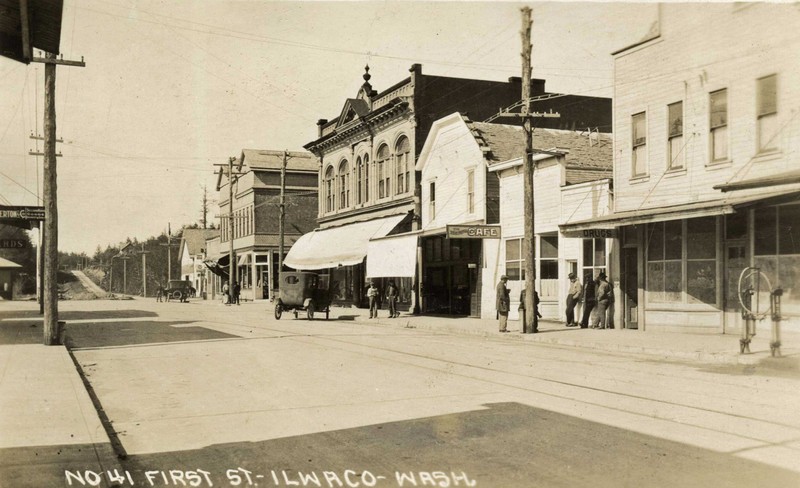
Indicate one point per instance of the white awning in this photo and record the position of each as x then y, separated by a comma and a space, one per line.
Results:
338, 246
392, 257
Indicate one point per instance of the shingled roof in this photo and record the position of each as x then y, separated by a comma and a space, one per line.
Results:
270, 159
588, 155
195, 240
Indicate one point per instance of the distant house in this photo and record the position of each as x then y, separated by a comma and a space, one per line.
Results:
8, 271
191, 255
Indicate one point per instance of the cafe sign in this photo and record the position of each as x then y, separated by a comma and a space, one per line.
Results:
477, 231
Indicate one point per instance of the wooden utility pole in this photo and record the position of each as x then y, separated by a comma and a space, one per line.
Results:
282, 221
530, 236
169, 251
50, 296
124, 275
230, 217
528, 200
144, 270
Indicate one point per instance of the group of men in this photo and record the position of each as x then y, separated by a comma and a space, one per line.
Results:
597, 297
230, 295
374, 295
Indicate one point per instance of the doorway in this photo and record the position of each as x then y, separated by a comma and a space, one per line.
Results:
630, 287
735, 261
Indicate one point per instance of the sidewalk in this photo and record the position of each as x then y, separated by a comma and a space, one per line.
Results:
48, 422
701, 348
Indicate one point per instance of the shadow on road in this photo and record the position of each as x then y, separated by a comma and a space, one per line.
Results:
507, 444
81, 315
104, 334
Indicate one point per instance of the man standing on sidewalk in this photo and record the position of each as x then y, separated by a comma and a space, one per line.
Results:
391, 297
372, 296
573, 297
603, 293
503, 303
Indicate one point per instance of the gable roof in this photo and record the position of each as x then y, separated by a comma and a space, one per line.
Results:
194, 240
353, 107
268, 159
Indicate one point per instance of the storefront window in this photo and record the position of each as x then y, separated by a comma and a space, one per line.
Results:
594, 257
664, 250
701, 260
777, 251
515, 262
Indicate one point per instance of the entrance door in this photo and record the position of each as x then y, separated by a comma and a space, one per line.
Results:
630, 288
735, 262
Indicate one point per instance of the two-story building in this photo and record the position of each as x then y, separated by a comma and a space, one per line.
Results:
254, 224
473, 217
369, 188
706, 179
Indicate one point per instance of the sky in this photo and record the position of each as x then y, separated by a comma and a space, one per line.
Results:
172, 88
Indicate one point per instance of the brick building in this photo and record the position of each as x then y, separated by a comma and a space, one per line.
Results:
368, 185
706, 179
256, 214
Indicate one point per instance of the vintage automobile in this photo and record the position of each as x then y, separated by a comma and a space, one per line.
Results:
303, 290
178, 290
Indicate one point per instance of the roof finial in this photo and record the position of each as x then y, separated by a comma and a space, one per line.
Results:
367, 76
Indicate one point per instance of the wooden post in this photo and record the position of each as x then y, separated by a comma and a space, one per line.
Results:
282, 221
50, 286
530, 236
231, 263
144, 270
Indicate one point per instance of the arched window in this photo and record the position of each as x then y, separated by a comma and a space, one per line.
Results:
384, 172
329, 189
366, 178
344, 185
402, 153
359, 181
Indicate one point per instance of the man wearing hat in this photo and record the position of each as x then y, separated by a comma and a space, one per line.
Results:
603, 293
503, 303
573, 297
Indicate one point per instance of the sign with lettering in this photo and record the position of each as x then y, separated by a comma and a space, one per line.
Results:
478, 231
13, 244
592, 233
20, 212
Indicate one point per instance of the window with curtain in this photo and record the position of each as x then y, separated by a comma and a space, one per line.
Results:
471, 191
402, 154
767, 112
675, 136
515, 259
639, 144
329, 200
359, 181
344, 185
718, 114
383, 171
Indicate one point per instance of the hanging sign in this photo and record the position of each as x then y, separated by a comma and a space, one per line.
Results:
592, 233
478, 231
24, 213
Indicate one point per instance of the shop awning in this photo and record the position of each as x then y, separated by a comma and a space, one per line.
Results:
392, 257
676, 212
244, 259
338, 246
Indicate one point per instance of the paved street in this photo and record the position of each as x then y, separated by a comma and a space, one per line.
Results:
195, 388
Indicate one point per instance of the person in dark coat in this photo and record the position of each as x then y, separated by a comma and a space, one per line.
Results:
391, 297
589, 300
237, 288
502, 303
536, 315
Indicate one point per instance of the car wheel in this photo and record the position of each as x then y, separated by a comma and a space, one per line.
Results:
310, 310
177, 295
278, 311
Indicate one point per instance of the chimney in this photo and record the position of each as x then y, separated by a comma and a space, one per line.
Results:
320, 123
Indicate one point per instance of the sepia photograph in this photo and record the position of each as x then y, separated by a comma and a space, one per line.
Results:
355, 244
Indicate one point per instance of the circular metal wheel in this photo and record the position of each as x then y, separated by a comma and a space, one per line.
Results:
310, 310
177, 295
278, 311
